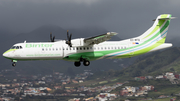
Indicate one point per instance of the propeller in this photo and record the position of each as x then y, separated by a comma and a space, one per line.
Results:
52, 38
68, 41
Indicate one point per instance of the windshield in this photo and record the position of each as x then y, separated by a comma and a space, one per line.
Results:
16, 47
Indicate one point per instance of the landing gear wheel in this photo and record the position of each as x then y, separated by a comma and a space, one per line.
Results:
86, 63
77, 64
13, 64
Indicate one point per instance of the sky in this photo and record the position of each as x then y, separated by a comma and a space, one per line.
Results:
129, 18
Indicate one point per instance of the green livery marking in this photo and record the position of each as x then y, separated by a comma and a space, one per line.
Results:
38, 45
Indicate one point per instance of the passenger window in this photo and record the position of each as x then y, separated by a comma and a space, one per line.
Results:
77, 48
80, 48
66, 48
111, 47
102, 48
105, 48
124, 47
56, 48
87, 48
73, 48
121, 47
20, 47
42, 49
49, 49
53, 49
84, 48
46, 49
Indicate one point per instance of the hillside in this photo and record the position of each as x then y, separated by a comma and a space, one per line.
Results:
155, 63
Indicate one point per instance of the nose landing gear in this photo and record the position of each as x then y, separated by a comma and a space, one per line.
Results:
14, 63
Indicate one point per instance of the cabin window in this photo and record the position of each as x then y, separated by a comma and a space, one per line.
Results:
108, 47
111, 47
114, 47
56, 49
105, 48
20, 47
46, 49
49, 49
42, 49
102, 48
53, 49
80, 48
59, 48
84, 48
66, 48
73, 48
63, 48
124, 47
121, 47
98, 48
77, 48
87, 48
118, 47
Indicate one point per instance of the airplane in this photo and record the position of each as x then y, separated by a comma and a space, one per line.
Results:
94, 48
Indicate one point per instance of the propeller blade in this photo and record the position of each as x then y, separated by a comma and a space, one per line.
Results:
70, 37
67, 35
53, 39
51, 36
68, 41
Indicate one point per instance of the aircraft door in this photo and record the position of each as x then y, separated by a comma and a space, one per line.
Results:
131, 46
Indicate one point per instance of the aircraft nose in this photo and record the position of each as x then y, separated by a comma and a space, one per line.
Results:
5, 54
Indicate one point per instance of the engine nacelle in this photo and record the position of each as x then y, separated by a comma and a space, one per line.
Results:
78, 42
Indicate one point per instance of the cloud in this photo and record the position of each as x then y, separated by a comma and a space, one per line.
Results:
127, 17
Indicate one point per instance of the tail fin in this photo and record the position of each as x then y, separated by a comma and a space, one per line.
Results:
159, 29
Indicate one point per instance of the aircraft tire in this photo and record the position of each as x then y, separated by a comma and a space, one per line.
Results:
77, 64
86, 63
13, 64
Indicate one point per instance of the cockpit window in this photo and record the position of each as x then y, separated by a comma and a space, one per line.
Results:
13, 47
16, 47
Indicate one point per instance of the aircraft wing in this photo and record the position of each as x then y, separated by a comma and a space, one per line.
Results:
100, 38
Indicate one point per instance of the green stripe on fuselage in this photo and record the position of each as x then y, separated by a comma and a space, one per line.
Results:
9, 50
75, 57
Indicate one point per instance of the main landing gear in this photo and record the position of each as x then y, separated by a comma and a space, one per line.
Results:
85, 62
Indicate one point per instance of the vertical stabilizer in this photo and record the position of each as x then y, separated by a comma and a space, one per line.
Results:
159, 29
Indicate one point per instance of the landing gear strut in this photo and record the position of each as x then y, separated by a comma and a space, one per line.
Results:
14, 64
